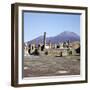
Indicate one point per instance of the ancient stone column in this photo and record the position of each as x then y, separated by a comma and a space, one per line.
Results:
50, 44
26, 50
44, 40
55, 46
68, 42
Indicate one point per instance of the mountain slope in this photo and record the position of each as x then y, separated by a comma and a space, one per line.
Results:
62, 37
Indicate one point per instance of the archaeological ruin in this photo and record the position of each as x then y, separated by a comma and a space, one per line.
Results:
62, 49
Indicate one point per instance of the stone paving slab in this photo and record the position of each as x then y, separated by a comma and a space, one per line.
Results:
35, 66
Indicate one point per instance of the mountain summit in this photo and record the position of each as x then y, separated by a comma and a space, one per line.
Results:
68, 33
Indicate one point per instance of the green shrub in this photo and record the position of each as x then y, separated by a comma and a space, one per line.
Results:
36, 52
70, 52
60, 54
46, 53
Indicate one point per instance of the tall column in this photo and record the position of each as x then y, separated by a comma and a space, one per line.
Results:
44, 40
50, 44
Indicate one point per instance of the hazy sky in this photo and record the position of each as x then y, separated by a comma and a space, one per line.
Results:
35, 24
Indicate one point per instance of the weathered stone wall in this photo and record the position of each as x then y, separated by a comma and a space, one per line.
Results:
61, 52
57, 52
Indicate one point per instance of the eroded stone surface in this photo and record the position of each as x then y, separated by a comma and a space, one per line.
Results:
50, 66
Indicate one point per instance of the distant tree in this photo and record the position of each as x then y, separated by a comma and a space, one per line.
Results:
36, 52
68, 41
29, 45
42, 47
58, 46
32, 47
64, 44
38, 46
78, 50
29, 50
70, 52
46, 53
60, 54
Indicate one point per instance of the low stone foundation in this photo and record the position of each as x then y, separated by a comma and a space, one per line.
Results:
56, 52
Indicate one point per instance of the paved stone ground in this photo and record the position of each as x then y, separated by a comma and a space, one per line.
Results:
35, 66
